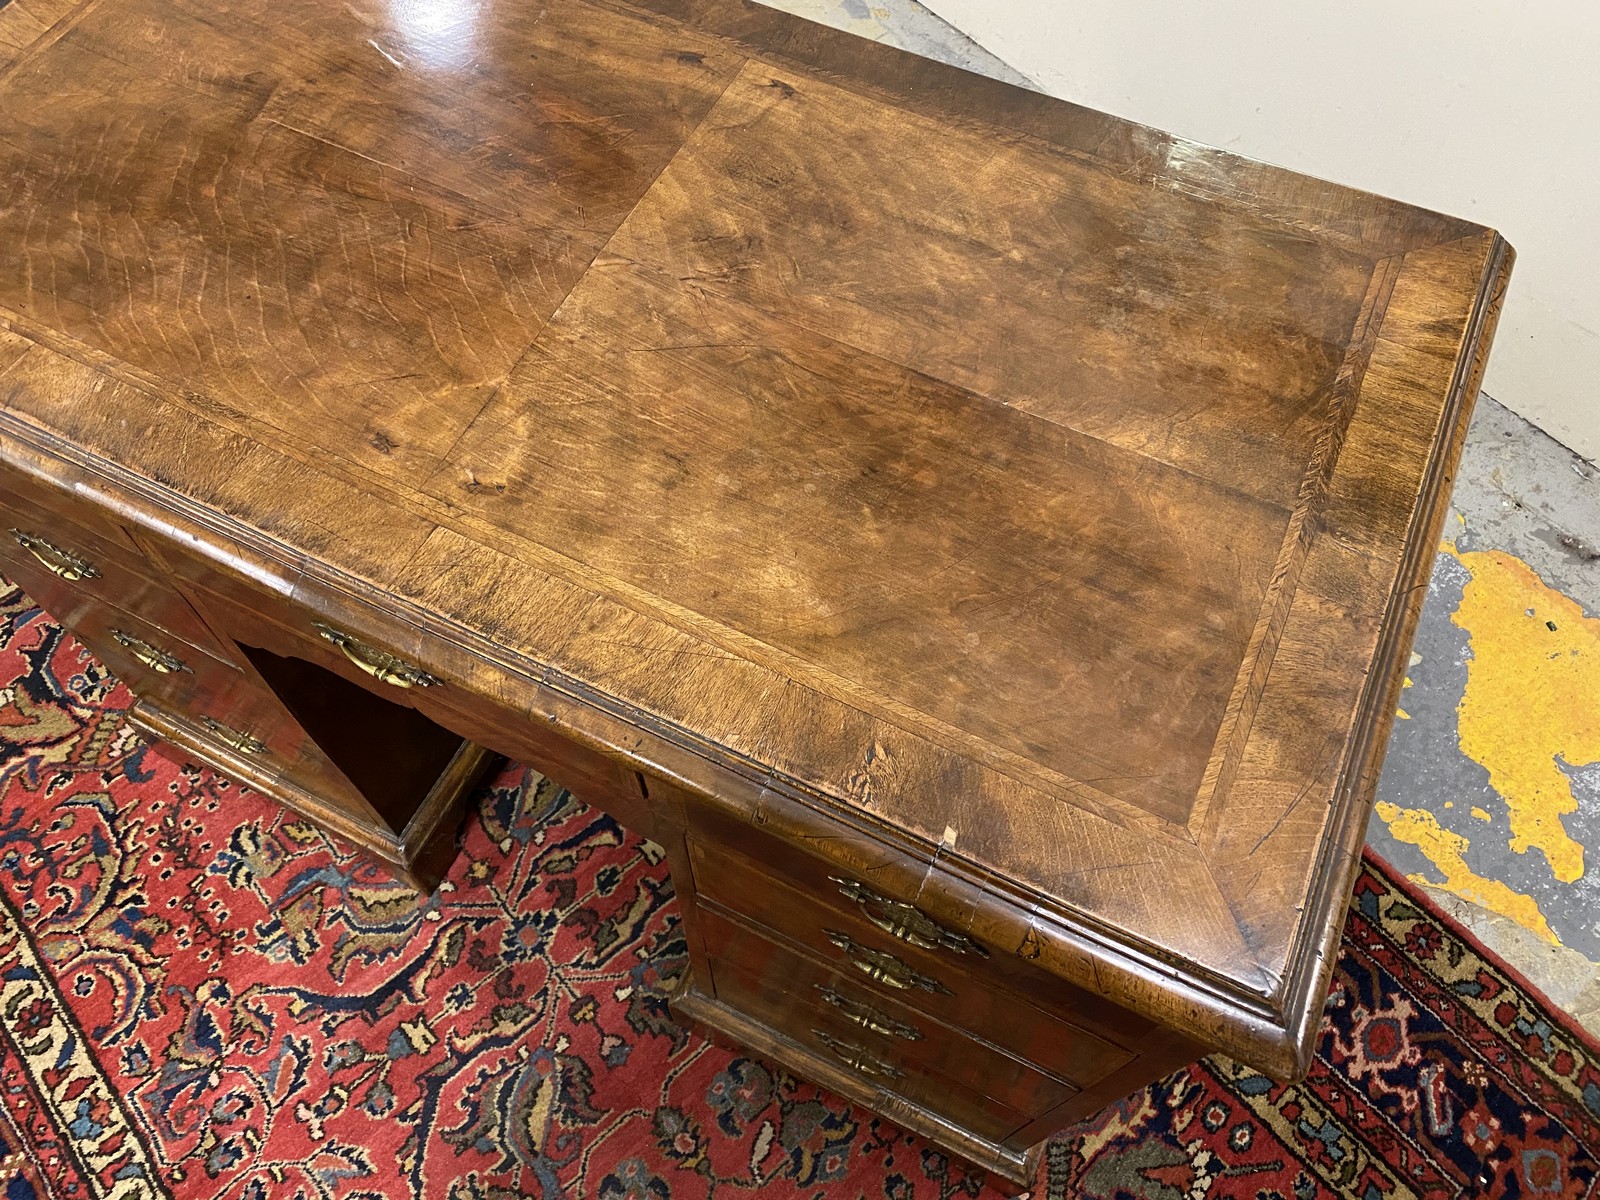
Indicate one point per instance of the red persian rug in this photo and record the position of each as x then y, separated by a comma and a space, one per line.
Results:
201, 996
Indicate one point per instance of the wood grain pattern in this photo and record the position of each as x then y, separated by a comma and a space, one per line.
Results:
1004, 112
1214, 331
374, 281
801, 444
886, 530
28, 26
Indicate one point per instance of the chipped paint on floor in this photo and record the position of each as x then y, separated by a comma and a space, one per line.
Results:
1490, 794
1447, 852
1532, 706
1518, 686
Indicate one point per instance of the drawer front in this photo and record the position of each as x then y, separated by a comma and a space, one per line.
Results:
182, 677
950, 988
381, 648
27, 498
59, 566
960, 1106
275, 746
757, 988
879, 889
789, 992
232, 709
355, 639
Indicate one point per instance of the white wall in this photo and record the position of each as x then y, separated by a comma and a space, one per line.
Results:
1487, 109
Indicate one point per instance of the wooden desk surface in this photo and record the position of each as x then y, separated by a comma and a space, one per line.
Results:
1040, 489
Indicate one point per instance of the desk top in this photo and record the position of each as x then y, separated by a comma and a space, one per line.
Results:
1052, 492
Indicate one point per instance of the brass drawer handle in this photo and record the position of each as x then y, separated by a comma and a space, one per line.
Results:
380, 664
233, 738
875, 1020
67, 565
856, 1057
882, 967
904, 921
157, 659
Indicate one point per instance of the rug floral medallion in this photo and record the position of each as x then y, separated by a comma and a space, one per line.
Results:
202, 996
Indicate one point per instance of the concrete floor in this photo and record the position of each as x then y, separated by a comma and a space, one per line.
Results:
1490, 795
906, 24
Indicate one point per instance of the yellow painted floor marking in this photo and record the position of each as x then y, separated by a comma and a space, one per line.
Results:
1444, 850
1533, 693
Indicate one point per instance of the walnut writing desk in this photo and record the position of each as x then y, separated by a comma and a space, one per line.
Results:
978, 538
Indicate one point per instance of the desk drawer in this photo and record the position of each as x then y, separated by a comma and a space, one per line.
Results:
954, 992
233, 710
62, 567
272, 754
794, 994
143, 654
230, 707
33, 501
382, 647
349, 638
944, 1071
878, 894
